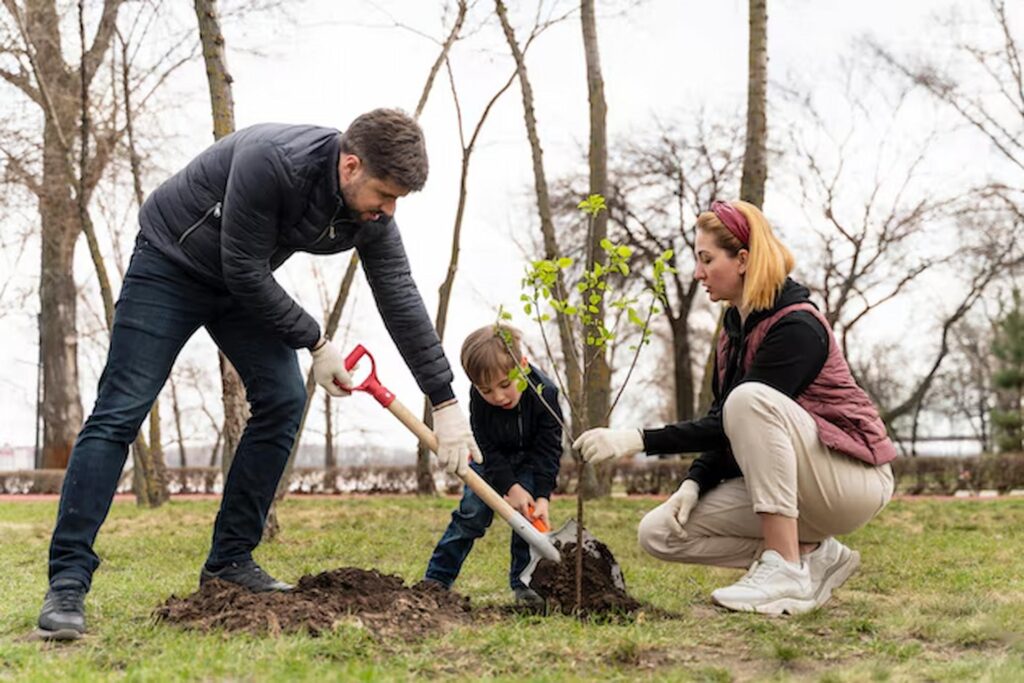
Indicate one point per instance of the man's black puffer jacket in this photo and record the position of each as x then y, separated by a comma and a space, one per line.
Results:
243, 206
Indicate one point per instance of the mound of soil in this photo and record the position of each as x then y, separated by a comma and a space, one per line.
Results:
381, 603
604, 588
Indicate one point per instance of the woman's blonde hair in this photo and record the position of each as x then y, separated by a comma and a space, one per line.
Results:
769, 261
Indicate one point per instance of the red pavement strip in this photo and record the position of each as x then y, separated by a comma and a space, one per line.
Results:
130, 498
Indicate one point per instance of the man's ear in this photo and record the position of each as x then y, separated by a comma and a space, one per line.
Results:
523, 361
348, 166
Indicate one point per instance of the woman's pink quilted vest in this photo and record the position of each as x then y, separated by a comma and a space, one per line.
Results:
847, 420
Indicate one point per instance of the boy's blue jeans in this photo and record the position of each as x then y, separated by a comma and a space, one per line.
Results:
470, 522
159, 308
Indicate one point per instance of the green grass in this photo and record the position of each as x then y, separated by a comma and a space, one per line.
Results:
940, 597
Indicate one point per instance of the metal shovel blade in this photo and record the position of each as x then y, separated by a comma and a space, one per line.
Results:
566, 535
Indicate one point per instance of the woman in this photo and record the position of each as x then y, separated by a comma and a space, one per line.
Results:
794, 452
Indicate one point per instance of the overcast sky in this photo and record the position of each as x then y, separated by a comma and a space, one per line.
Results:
331, 60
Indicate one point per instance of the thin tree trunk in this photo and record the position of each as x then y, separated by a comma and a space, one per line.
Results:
755, 163
176, 409
271, 528
596, 373
330, 461
222, 107
150, 469
424, 474
682, 372
574, 379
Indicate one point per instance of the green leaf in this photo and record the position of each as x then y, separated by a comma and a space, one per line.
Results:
606, 244
624, 251
564, 262
594, 298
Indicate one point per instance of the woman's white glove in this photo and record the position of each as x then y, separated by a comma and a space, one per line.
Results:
675, 511
329, 370
454, 440
602, 443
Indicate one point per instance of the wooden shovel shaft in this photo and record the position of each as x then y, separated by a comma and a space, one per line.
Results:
473, 480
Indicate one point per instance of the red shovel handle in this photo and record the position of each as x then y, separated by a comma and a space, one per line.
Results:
371, 384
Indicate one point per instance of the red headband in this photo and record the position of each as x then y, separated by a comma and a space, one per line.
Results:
734, 221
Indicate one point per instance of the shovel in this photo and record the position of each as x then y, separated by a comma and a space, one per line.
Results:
540, 545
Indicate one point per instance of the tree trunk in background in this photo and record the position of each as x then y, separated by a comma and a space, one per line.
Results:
149, 466
424, 472
222, 105
271, 528
755, 163
755, 155
56, 88
330, 461
176, 409
683, 374
573, 372
596, 374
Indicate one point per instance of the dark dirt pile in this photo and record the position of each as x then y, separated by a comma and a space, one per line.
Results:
604, 588
381, 603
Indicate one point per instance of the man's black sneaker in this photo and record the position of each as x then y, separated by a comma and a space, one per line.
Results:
246, 574
63, 613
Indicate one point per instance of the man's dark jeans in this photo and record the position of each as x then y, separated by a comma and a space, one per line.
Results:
470, 522
160, 307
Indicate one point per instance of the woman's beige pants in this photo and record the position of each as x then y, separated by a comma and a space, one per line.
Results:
786, 471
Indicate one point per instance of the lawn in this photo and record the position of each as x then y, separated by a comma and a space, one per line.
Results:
940, 596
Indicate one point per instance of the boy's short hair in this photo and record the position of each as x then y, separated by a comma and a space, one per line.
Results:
485, 355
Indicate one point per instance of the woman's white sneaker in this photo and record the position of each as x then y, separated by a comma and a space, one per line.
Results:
771, 586
830, 564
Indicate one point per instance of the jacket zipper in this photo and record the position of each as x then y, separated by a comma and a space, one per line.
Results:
213, 210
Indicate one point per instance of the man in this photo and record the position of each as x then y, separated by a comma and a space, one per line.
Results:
210, 239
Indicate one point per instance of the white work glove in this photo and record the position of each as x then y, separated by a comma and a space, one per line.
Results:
602, 443
675, 511
454, 440
329, 370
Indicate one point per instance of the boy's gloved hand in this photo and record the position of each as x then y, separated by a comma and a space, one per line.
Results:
540, 511
602, 443
675, 511
454, 439
520, 499
329, 369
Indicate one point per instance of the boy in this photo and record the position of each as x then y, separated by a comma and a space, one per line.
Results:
521, 442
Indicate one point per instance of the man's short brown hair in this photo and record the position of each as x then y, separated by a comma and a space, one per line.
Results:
485, 356
390, 144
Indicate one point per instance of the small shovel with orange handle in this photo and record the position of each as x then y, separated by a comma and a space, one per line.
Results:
540, 545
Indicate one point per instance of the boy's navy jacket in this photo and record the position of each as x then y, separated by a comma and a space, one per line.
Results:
524, 438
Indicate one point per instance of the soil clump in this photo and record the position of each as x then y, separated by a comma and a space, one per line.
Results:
380, 603
604, 587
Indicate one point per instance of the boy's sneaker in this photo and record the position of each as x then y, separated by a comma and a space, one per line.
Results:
246, 574
527, 597
63, 613
831, 564
771, 586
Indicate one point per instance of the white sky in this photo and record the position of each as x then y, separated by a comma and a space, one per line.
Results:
337, 59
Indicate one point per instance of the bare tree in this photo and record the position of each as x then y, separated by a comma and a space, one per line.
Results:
34, 64
222, 106
573, 367
663, 183
983, 82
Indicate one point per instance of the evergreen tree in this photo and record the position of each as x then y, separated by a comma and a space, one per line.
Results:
1008, 349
